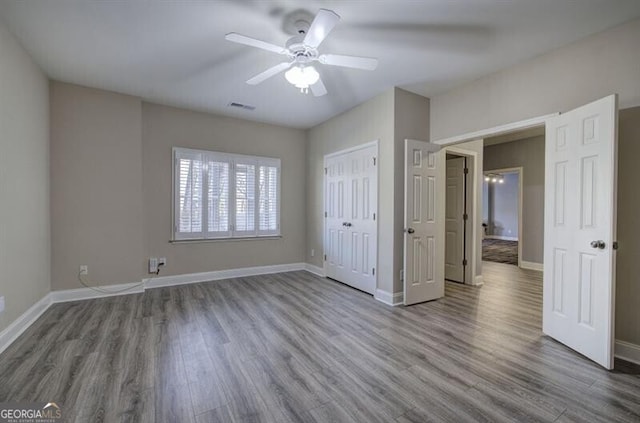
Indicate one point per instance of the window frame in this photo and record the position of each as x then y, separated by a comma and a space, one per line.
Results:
208, 156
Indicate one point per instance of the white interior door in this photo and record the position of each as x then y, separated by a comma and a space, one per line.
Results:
454, 220
580, 228
361, 220
423, 224
335, 230
351, 226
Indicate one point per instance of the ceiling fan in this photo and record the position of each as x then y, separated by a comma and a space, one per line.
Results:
302, 51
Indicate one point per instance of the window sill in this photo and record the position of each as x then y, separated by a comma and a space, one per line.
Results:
209, 240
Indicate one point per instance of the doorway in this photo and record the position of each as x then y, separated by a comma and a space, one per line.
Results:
462, 212
579, 193
456, 218
502, 213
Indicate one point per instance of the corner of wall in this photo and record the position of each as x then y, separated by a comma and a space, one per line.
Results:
24, 154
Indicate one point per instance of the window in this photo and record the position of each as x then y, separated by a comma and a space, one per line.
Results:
218, 195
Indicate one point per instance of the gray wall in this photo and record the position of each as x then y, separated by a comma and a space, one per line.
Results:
503, 204
111, 187
528, 154
372, 120
568, 77
167, 127
96, 186
24, 180
389, 118
411, 121
628, 262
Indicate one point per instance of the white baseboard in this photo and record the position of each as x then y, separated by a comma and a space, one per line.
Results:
78, 294
503, 238
478, 280
627, 351
18, 326
388, 298
221, 274
318, 271
530, 265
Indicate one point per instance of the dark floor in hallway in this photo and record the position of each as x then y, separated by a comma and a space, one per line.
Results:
500, 251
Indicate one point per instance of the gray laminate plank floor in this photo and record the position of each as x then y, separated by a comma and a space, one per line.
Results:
294, 347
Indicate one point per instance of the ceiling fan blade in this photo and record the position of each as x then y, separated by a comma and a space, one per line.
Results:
269, 73
318, 89
365, 63
243, 39
321, 26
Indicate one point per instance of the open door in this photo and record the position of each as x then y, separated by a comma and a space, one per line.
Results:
455, 213
423, 224
580, 229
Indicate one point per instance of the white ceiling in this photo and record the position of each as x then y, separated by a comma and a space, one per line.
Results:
174, 52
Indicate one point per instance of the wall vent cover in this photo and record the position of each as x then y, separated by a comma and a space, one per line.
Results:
241, 106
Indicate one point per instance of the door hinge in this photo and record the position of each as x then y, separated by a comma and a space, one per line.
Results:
465, 217
373, 271
325, 257
374, 161
325, 214
374, 216
466, 170
615, 245
325, 170
464, 262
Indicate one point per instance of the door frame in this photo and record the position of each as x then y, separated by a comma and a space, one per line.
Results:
540, 121
473, 201
520, 171
450, 142
376, 144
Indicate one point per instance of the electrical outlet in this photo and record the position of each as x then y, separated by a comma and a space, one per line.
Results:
1, 304
153, 265
313, 253
84, 269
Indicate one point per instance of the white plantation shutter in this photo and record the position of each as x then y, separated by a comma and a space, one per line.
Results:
245, 189
218, 219
218, 195
189, 206
268, 196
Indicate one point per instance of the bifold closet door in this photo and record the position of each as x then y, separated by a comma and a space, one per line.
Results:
351, 218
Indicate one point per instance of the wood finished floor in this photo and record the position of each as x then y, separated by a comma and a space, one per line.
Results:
293, 347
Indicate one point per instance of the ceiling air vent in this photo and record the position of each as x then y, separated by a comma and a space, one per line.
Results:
241, 106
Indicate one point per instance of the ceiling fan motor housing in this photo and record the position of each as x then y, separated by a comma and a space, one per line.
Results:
299, 51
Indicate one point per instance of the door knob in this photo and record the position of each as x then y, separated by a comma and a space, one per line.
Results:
598, 244
344, 223
348, 224
410, 230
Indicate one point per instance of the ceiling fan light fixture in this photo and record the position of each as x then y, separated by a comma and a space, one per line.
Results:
302, 77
